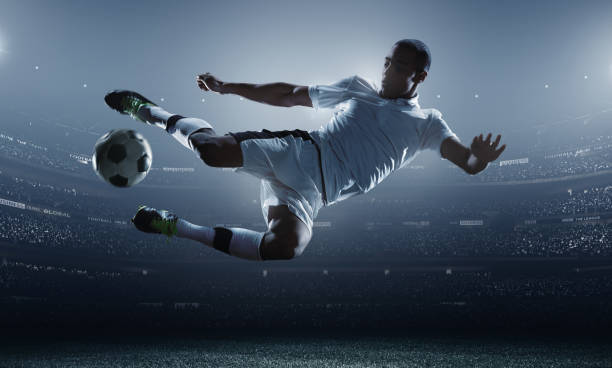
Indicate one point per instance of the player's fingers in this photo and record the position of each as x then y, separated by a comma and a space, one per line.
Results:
202, 85
203, 77
488, 140
496, 141
208, 85
499, 151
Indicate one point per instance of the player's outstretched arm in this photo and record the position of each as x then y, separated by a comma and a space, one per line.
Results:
474, 159
276, 94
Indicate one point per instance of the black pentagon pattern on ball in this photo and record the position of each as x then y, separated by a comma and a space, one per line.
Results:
143, 163
118, 181
117, 153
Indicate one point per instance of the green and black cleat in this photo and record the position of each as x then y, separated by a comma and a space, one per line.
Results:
151, 220
127, 103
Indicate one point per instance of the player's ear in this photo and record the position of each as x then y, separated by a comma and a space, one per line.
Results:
419, 77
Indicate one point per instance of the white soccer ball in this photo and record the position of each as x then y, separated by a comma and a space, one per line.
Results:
122, 157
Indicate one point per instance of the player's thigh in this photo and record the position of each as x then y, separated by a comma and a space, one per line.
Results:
286, 230
218, 151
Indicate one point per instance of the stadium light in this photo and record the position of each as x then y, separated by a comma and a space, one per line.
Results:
3, 47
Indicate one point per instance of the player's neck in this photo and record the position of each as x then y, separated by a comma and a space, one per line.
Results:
405, 96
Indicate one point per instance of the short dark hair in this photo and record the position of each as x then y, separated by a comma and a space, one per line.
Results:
422, 54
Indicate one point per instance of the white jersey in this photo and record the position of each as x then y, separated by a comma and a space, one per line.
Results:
369, 137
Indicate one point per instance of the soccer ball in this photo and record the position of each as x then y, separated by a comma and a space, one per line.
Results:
122, 157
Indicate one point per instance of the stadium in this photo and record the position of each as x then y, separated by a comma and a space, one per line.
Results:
412, 261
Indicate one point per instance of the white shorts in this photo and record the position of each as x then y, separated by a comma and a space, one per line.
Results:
288, 164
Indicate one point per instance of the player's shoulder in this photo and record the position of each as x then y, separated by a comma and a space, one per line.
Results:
363, 84
432, 113
358, 83
436, 122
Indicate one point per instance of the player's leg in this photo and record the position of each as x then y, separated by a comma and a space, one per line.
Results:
285, 238
287, 235
217, 151
193, 133
199, 136
235, 241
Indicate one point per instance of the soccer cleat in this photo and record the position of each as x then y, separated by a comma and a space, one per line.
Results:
127, 102
151, 220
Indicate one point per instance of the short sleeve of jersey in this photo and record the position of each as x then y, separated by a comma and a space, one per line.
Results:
437, 131
329, 95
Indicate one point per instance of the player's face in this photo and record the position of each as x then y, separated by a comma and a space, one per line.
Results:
399, 76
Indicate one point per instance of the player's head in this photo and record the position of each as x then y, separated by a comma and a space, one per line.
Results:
405, 66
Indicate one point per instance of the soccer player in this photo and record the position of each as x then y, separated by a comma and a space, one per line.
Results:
376, 131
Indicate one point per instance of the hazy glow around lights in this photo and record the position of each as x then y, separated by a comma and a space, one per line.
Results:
2, 47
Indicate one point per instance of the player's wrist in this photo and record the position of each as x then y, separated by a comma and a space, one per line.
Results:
472, 159
224, 88
475, 163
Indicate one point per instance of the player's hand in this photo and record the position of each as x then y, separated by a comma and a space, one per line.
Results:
484, 150
208, 82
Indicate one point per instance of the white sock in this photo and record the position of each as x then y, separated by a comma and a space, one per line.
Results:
203, 234
154, 115
235, 241
245, 243
180, 127
184, 127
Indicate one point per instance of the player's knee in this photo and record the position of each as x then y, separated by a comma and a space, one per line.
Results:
297, 251
295, 244
287, 246
209, 151
217, 151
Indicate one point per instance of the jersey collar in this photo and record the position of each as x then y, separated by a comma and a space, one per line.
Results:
414, 101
